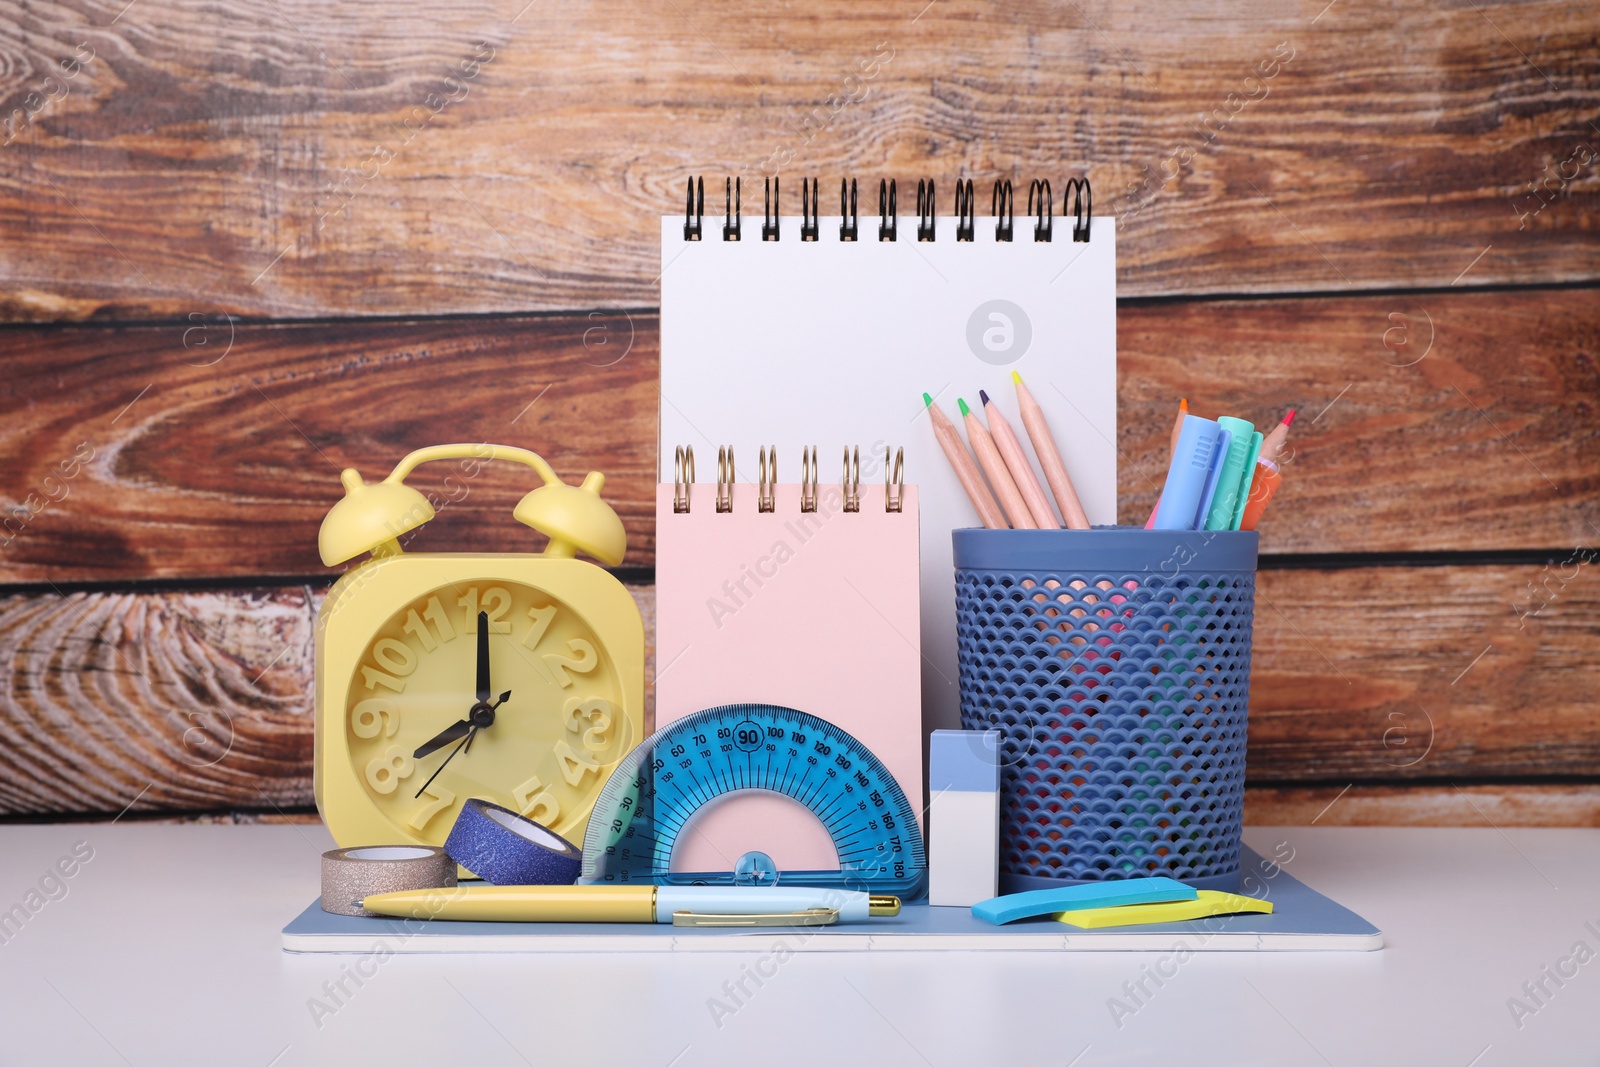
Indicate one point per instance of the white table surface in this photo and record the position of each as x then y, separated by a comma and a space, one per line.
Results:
165, 950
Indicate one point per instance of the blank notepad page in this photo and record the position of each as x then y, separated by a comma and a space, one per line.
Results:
815, 611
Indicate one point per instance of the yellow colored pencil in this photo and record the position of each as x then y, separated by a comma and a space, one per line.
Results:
1044, 446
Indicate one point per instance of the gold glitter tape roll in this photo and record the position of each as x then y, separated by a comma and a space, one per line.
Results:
350, 875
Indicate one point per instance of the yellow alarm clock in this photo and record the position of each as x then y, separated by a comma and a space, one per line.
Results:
443, 676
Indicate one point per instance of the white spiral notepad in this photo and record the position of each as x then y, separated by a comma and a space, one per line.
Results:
793, 342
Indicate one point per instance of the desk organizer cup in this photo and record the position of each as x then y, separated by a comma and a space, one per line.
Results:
1116, 664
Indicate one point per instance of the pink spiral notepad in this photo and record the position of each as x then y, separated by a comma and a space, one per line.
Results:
813, 610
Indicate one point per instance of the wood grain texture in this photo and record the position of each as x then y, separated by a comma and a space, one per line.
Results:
1425, 672
217, 445
1424, 805
165, 701
1437, 422
306, 159
216, 448
205, 697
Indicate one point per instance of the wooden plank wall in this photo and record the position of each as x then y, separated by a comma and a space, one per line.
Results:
243, 246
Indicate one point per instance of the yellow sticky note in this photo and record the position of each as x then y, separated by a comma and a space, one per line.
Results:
1208, 902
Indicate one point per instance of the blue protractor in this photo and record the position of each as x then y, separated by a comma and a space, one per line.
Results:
658, 787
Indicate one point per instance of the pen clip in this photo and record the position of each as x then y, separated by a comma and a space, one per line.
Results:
808, 917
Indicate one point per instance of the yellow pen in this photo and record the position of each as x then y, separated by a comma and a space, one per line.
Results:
695, 905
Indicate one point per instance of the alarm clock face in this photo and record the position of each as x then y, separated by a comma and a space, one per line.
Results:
541, 739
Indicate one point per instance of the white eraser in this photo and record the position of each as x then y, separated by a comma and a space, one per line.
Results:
963, 817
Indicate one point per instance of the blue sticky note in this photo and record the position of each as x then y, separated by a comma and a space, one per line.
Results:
1015, 906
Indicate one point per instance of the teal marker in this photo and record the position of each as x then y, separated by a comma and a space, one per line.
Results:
1231, 484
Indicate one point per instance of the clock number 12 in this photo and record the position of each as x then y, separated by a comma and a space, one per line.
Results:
496, 602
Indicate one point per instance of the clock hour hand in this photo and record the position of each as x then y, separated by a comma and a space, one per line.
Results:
480, 716
454, 732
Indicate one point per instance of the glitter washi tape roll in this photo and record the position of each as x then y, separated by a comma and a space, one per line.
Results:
505, 848
349, 875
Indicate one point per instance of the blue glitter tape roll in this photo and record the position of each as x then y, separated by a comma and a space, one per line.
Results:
504, 848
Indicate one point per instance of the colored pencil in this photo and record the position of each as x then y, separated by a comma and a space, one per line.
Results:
1267, 479
1016, 460
1273, 445
1044, 446
994, 468
944, 431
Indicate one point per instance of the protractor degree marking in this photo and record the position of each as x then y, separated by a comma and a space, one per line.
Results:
832, 789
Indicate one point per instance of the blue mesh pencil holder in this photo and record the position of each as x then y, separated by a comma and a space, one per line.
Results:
1116, 664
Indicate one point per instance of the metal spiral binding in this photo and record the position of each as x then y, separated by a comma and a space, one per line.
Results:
808, 478
894, 485
810, 207
769, 221
1041, 205
1082, 206
894, 479
694, 211
966, 210
766, 488
732, 224
1004, 209
849, 220
850, 482
1044, 215
725, 478
682, 478
925, 212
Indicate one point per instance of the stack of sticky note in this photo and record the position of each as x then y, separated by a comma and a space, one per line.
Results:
1207, 902
1134, 902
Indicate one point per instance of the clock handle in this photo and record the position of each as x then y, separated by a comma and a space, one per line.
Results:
371, 517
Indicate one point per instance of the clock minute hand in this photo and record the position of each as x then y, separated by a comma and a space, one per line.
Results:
483, 657
471, 730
